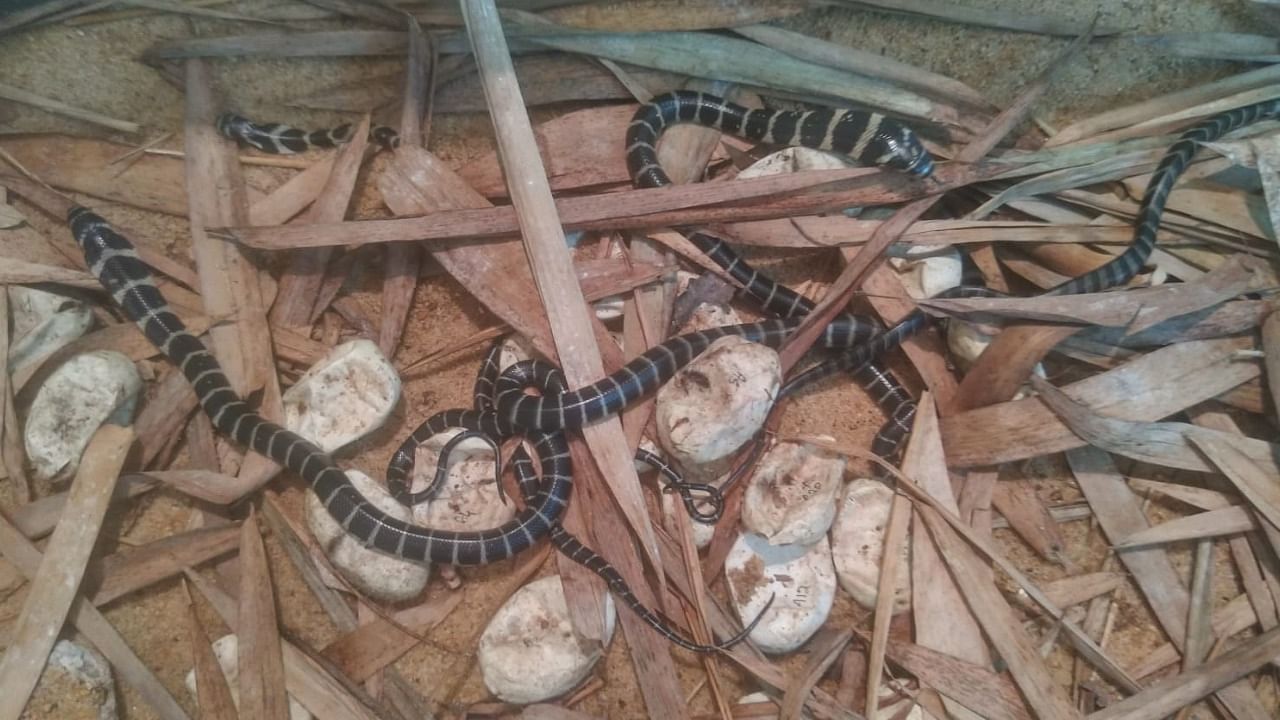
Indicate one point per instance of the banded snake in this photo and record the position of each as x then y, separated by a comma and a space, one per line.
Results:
112, 259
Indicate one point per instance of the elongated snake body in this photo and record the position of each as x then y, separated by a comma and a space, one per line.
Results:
864, 136
1115, 272
280, 139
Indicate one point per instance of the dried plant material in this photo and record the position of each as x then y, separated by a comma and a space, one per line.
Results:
401, 263
823, 651
869, 64
229, 284
1151, 387
8, 92
819, 702
188, 9
599, 279
1021, 507
123, 572
292, 197
1271, 355
1119, 515
372, 12
1199, 634
769, 197
1166, 697
84, 165
14, 271
1206, 207
1113, 167
684, 152
497, 274
967, 15
580, 150
1230, 619
654, 15
1197, 497
12, 448
1214, 523
305, 555
296, 348
305, 679
589, 608
38, 517
1136, 310
26, 16
1075, 590
331, 43
888, 295
568, 318
975, 687
299, 285
835, 230
545, 79
999, 622
124, 338
13, 451
843, 289
551, 78
1183, 116
942, 620
164, 414
733, 60
845, 286
362, 652
1164, 104
207, 485
1217, 45
1233, 457
9, 215
1210, 203
53, 589
149, 251
309, 559
259, 659
1266, 159
212, 694
1158, 443
1230, 318
895, 534
541, 711
1082, 642
91, 623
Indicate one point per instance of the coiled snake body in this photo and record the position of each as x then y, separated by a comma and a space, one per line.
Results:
866, 137
113, 260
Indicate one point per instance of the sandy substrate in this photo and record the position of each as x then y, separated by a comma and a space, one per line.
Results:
96, 67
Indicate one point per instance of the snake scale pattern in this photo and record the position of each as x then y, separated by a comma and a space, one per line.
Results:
1115, 272
866, 137
280, 139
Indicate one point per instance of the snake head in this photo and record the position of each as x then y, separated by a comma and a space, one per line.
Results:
901, 149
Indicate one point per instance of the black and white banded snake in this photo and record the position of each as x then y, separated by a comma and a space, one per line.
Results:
113, 260
280, 139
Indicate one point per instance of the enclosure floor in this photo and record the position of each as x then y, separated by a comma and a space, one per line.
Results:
95, 67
